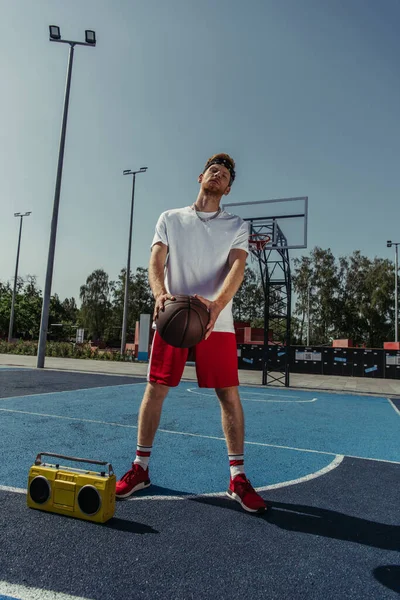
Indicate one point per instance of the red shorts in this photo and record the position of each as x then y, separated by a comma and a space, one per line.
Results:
216, 361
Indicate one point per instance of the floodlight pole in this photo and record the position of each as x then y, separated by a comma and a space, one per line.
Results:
11, 325
389, 244
128, 262
396, 296
308, 314
53, 233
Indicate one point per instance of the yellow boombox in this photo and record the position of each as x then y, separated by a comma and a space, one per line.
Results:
73, 492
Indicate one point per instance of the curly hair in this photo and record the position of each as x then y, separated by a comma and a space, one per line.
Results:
225, 160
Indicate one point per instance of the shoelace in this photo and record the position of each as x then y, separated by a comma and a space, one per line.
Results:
245, 486
129, 475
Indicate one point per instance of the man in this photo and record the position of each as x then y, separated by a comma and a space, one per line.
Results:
198, 250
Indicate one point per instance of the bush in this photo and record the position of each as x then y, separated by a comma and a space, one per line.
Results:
20, 347
65, 350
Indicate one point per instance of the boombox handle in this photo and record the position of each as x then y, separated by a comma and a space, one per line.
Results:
38, 460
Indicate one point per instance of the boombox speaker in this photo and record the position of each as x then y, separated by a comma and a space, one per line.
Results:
73, 492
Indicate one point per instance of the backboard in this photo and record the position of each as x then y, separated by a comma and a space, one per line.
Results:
285, 220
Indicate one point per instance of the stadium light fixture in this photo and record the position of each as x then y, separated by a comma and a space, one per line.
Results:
55, 33
90, 37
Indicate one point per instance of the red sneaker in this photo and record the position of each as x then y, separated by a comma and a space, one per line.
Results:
241, 490
134, 480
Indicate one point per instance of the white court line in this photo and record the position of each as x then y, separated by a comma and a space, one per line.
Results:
392, 404
35, 414
100, 387
244, 394
8, 488
169, 431
196, 435
274, 486
332, 465
23, 592
94, 373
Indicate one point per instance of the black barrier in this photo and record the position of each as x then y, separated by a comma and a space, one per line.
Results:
327, 361
392, 364
349, 362
358, 365
373, 363
306, 360
276, 356
250, 356
348, 365
339, 359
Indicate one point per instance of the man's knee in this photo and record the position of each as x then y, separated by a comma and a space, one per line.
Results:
228, 394
156, 391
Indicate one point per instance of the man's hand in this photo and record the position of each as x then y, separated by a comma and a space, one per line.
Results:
214, 308
160, 301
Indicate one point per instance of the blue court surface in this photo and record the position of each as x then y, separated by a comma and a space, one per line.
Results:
327, 464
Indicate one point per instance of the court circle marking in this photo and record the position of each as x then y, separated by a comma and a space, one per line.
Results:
243, 396
332, 465
337, 460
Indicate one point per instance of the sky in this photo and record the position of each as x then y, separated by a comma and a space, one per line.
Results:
304, 95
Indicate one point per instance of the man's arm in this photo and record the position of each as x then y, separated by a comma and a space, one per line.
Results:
233, 280
156, 276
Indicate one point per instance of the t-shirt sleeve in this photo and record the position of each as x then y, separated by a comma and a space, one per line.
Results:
241, 241
160, 234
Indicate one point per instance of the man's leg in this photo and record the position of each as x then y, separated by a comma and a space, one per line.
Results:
137, 478
217, 367
165, 370
240, 489
232, 419
150, 413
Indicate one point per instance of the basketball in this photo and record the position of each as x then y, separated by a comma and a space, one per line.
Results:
183, 322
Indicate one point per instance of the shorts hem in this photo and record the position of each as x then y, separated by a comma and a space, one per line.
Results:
160, 382
219, 386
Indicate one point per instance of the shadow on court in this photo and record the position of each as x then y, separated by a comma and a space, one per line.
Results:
128, 526
389, 576
322, 522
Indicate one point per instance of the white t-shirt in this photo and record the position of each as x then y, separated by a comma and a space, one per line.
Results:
198, 251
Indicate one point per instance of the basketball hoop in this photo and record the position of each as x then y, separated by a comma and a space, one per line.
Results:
257, 242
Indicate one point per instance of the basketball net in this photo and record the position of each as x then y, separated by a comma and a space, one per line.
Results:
257, 243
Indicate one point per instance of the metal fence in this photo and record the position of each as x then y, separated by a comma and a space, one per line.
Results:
349, 362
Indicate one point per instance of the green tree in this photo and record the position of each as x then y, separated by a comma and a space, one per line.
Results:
248, 303
71, 311
351, 297
28, 310
302, 283
140, 300
320, 272
96, 308
5, 307
366, 300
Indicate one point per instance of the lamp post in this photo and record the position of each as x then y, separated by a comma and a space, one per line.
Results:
55, 36
389, 244
128, 262
308, 313
10, 329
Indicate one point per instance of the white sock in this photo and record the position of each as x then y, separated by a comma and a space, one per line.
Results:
236, 464
143, 456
